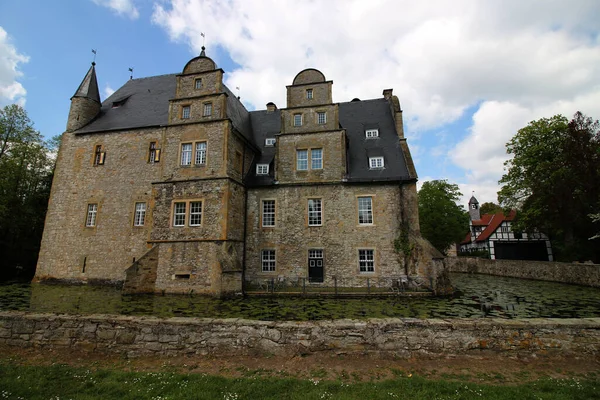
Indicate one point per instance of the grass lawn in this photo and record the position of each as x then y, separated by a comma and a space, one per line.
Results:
61, 382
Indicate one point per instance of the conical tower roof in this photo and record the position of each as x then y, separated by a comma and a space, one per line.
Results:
473, 200
89, 86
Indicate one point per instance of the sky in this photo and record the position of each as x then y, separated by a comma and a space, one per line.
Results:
468, 73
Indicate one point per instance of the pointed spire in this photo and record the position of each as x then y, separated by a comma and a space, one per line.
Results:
89, 86
202, 53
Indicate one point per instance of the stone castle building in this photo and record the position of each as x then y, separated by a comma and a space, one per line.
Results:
171, 185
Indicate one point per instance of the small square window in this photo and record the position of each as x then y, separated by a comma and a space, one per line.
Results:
207, 109
375, 162
297, 119
186, 154
140, 214
268, 213
321, 118
262, 169
200, 158
372, 133
316, 158
270, 141
185, 112
309, 94
92, 211
268, 260
198, 83
302, 160
195, 213
179, 214
366, 260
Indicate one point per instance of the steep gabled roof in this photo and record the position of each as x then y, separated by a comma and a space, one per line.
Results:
491, 223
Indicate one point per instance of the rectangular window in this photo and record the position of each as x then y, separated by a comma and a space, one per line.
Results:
186, 154
195, 213
140, 214
321, 118
179, 214
309, 94
366, 260
92, 210
365, 210
262, 169
297, 119
99, 156
316, 158
375, 162
198, 83
372, 133
268, 260
504, 229
185, 112
302, 160
207, 109
270, 142
314, 212
268, 213
200, 153
153, 153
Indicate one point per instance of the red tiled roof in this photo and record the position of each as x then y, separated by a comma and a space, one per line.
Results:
484, 221
491, 223
467, 239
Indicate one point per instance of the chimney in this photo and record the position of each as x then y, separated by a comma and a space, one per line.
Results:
271, 106
387, 93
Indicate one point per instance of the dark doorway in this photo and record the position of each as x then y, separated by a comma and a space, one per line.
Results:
315, 265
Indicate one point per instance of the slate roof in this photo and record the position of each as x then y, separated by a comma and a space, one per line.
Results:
89, 86
142, 103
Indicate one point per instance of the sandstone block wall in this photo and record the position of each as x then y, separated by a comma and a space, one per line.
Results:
134, 336
579, 274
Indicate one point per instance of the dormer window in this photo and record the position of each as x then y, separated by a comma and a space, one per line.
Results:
198, 83
270, 142
297, 119
372, 133
185, 112
375, 162
262, 169
309, 94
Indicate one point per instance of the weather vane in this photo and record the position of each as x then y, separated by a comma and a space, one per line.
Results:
131, 70
238, 89
203, 38
94, 51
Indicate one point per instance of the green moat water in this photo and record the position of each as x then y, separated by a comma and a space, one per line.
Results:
478, 296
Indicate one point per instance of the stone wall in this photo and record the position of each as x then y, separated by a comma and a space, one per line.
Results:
574, 273
134, 336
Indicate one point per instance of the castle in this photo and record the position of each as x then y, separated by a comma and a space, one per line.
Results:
171, 185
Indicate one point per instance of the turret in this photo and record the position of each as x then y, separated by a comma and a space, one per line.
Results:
85, 103
474, 209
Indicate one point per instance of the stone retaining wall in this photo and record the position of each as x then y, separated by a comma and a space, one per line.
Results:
134, 336
574, 273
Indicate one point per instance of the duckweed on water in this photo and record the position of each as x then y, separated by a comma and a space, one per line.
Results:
477, 296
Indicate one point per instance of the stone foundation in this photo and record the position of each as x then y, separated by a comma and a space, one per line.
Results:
134, 336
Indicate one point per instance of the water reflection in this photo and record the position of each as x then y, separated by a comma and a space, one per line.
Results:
478, 296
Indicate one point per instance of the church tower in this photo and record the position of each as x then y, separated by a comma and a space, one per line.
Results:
85, 103
474, 209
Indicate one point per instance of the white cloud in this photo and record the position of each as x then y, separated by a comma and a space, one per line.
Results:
121, 7
514, 60
11, 91
108, 91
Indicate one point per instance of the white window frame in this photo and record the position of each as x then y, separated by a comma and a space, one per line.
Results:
270, 142
309, 94
186, 154
376, 162
365, 210
198, 83
268, 260
207, 110
302, 161
321, 117
297, 120
139, 218
262, 169
366, 261
200, 153
318, 159
372, 133
179, 214
186, 111
315, 212
195, 213
92, 212
268, 207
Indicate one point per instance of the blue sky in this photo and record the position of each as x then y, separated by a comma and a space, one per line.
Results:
468, 74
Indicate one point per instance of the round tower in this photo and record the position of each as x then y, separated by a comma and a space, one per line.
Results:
85, 103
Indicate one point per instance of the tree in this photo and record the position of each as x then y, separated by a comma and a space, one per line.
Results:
26, 169
490, 208
442, 221
553, 180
